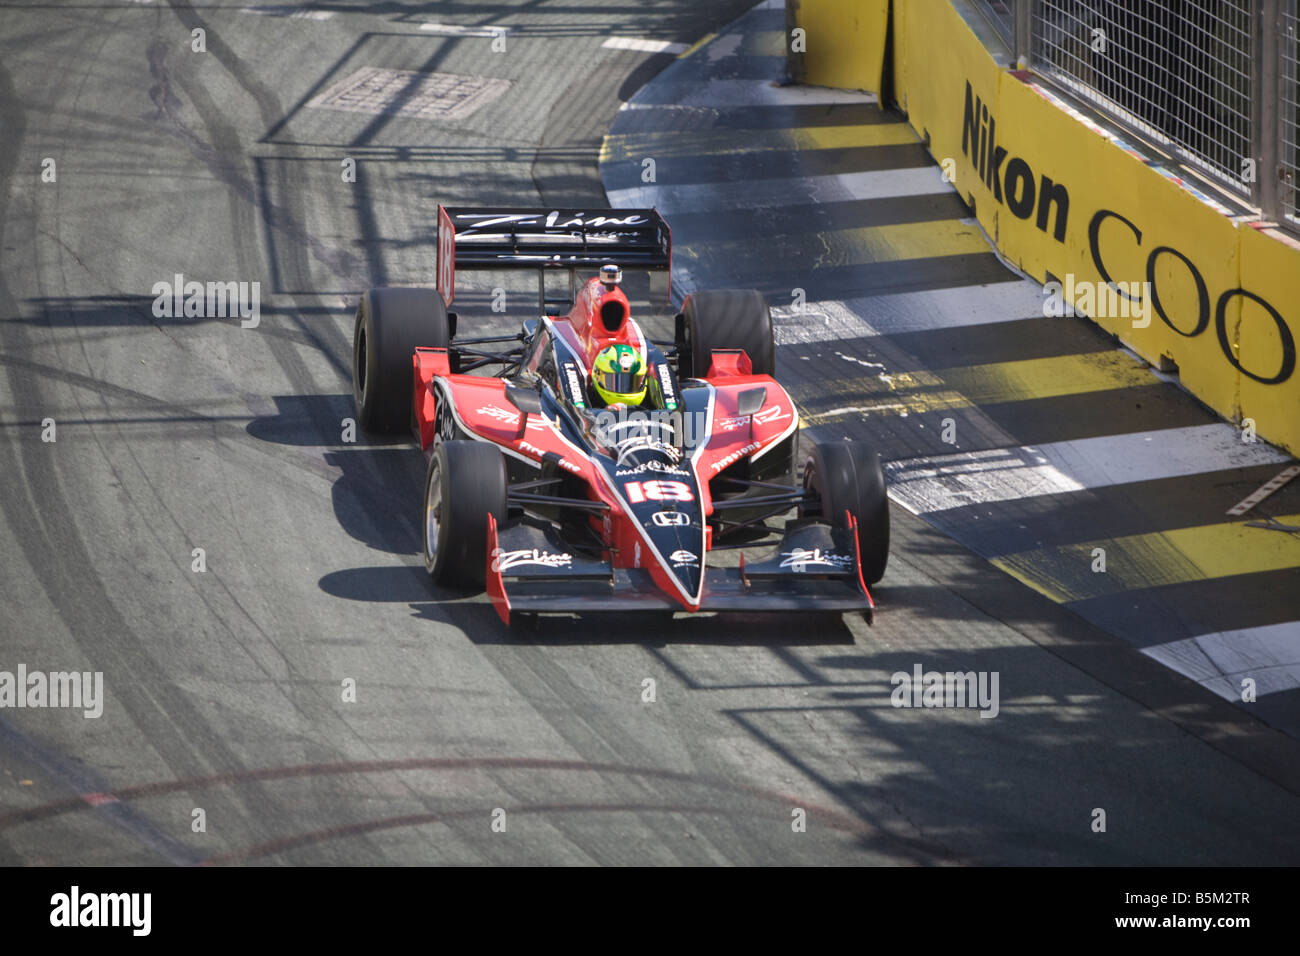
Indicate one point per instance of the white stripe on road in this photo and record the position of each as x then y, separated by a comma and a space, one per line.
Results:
927, 485
766, 193
1263, 491
1269, 655
459, 30
959, 307
290, 13
721, 93
832, 319
644, 46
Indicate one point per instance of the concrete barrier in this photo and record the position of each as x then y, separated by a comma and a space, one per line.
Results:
1143, 253
842, 43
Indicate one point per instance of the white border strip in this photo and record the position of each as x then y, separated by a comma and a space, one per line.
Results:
1263, 491
926, 485
1269, 655
644, 46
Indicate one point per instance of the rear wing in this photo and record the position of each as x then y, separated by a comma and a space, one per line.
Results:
494, 237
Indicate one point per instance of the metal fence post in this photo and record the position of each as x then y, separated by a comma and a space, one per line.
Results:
1268, 90
1023, 32
1288, 118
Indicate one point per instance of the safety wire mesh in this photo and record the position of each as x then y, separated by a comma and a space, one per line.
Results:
1180, 71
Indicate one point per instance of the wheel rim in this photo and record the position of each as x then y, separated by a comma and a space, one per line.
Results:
432, 513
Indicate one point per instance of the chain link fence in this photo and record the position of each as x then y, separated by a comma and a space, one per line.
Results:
1213, 82
1289, 113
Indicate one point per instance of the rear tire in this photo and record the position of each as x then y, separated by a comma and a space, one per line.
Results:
848, 476
465, 483
724, 319
390, 323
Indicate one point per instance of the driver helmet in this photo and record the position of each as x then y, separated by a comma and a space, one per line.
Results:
619, 376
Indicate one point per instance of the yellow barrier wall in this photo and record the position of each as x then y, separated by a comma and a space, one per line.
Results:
1063, 201
845, 42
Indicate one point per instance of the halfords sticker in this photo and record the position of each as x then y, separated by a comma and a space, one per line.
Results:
505, 560
801, 558
766, 417
507, 417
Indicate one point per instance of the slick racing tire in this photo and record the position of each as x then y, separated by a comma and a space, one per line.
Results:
466, 482
390, 324
726, 319
848, 477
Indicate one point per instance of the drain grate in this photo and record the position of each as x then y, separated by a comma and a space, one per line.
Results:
435, 96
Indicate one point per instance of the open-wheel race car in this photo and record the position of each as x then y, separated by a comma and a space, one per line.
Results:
596, 469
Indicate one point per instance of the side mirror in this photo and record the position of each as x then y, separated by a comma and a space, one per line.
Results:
526, 401
751, 400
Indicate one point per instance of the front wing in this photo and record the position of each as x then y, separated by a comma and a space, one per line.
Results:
816, 568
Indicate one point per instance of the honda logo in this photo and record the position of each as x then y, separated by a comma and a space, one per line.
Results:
669, 519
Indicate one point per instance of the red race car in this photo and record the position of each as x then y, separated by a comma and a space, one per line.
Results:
596, 469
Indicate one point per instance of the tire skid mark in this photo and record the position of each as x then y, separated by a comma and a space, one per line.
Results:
343, 263
55, 549
93, 794
51, 546
276, 216
125, 795
327, 834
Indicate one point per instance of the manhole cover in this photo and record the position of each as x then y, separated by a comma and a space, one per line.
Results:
442, 96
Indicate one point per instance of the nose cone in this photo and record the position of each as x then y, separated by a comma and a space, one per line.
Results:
663, 497
676, 528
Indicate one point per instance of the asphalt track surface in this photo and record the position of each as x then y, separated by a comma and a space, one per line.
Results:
224, 689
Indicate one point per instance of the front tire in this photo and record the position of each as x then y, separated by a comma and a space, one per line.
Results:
724, 319
465, 483
848, 476
390, 323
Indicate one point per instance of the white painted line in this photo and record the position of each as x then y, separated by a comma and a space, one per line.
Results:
288, 12
959, 307
644, 46
459, 30
833, 320
766, 193
1263, 491
1270, 655
751, 93
829, 321
927, 485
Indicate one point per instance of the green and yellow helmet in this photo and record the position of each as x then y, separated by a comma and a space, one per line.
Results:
618, 375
